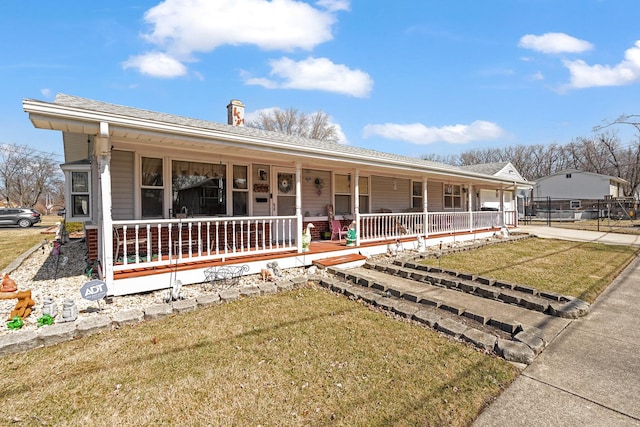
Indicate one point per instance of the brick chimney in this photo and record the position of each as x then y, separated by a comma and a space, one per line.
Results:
235, 113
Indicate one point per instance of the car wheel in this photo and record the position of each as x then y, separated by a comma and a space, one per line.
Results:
24, 223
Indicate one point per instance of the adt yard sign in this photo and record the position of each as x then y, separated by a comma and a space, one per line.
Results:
93, 290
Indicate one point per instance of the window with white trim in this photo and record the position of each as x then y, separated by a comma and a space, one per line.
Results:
80, 195
151, 187
363, 194
240, 190
416, 195
452, 196
342, 194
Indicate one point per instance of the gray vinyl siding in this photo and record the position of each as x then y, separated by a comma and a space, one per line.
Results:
315, 199
122, 188
383, 196
435, 196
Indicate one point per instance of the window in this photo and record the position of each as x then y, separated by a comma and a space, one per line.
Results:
152, 188
343, 194
240, 190
80, 194
363, 191
452, 196
416, 195
568, 175
199, 188
574, 204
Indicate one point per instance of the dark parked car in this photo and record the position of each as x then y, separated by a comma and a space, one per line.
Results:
22, 217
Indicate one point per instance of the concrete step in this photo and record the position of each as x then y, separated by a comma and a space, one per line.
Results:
518, 333
511, 293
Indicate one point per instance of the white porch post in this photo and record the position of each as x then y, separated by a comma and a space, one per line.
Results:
102, 152
501, 206
356, 203
299, 207
515, 202
425, 207
470, 205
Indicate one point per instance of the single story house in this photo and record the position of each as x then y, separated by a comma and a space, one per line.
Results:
164, 196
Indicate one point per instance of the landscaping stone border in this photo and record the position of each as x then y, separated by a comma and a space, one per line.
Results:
24, 340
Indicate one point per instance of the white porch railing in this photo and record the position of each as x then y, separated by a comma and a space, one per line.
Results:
384, 226
511, 218
164, 242
149, 243
387, 226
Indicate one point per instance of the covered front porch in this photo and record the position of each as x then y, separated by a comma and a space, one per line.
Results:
148, 254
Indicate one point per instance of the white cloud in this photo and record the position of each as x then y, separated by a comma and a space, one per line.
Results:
554, 43
187, 26
182, 28
156, 64
334, 5
417, 133
314, 74
46, 92
626, 72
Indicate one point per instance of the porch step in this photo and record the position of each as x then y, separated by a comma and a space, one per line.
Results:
342, 261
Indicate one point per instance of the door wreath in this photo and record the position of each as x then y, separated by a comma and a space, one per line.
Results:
285, 183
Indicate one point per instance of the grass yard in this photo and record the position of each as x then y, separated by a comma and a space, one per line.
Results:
577, 269
14, 241
301, 358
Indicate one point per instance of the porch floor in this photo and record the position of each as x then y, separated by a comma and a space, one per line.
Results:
316, 247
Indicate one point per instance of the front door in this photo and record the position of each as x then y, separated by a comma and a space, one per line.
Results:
284, 202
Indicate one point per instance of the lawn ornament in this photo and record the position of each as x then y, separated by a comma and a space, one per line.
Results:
23, 307
267, 274
306, 237
275, 268
15, 323
351, 234
69, 310
45, 319
8, 284
49, 306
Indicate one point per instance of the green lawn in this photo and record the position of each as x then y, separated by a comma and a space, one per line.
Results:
581, 270
299, 358
14, 240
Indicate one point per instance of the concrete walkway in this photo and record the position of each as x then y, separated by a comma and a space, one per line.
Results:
590, 374
581, 236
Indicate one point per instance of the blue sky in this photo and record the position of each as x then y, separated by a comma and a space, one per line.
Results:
407, 77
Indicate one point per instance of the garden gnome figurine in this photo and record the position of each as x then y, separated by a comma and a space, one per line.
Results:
49, 307
306, 237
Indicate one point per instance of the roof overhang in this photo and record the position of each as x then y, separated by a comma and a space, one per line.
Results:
52, 116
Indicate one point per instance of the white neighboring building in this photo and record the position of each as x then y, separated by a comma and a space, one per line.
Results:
572, 184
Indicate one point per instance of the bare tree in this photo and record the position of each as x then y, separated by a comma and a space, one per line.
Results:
25, 174
294, 122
